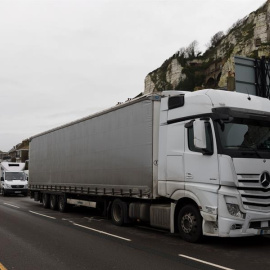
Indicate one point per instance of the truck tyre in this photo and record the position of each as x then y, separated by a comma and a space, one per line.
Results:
53, 202
119, 212
3, 192
62, 204
46, 200
190, 223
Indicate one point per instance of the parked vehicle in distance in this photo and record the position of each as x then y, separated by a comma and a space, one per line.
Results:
195, 163
13, 178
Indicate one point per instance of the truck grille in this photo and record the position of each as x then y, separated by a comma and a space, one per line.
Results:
17, 186
254, 195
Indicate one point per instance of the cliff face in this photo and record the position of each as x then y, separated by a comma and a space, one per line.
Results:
187, 70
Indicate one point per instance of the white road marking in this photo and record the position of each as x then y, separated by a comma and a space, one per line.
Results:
41, 215
212, 264
12, 205
113, 235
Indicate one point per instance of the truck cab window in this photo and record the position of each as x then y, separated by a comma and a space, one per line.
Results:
209, 139
15, 176
246, 137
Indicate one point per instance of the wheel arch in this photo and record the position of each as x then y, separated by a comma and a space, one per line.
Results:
180, 203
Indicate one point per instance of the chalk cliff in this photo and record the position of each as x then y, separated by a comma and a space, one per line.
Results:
187, 69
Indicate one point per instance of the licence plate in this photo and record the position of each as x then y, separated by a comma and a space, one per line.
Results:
265, 232
18, 192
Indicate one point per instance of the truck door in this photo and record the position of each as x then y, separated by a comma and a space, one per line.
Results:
201, 162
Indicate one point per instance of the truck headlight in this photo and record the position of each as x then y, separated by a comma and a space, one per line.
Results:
7, 186
234, 210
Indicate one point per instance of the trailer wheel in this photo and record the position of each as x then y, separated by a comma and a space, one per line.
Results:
46, 200
119, 212
53, 202
62, 203
190, 223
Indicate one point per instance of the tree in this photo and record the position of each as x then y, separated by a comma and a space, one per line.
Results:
191, 51
216, 38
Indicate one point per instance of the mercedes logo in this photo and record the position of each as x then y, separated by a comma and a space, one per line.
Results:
265, 179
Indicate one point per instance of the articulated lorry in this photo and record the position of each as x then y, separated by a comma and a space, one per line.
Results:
13, 178
194, 163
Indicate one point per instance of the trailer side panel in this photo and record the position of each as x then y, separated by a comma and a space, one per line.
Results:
111, 152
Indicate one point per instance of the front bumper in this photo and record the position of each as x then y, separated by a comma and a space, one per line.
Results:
16, 190
224, 224
253, 224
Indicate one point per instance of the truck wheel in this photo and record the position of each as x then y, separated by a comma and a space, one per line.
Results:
53, 202
3, 192
190, 223
62, 203
119, 212
46, 200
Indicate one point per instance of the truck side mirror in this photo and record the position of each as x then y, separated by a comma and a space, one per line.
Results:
199, 134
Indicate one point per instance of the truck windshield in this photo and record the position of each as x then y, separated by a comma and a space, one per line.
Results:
247, 138
14, 176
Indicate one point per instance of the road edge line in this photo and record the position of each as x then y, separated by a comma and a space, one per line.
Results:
2, 267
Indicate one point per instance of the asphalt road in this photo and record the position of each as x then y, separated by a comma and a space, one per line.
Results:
32, 237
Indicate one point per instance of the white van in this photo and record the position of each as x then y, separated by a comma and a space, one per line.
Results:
13, 178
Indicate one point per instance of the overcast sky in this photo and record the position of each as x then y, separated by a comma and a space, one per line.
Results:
63, 60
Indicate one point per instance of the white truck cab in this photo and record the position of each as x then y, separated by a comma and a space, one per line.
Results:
215, 155
13, 178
